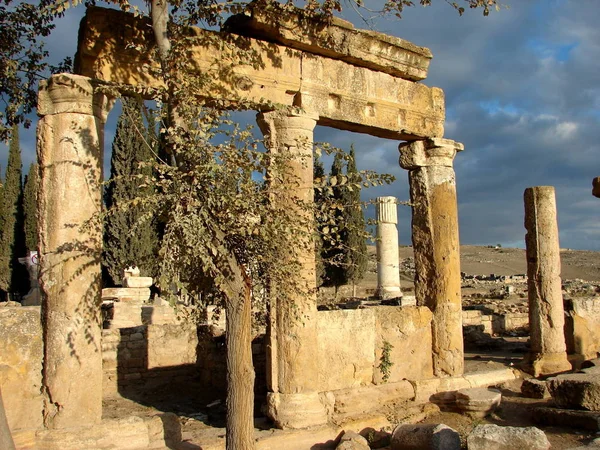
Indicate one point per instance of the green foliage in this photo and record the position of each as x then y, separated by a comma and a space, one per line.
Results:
130, 231
320, 217
385, 361
23, 27
13, 276
354, 237
333, 237
30, 207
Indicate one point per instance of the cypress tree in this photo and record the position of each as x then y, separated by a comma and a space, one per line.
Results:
130, 235
333, 240
320, 217
355, 246
13, 276
32, 181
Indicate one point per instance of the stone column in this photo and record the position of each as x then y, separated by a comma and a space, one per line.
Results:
547, 354
435, 245
70, 145
388, 266
292, 366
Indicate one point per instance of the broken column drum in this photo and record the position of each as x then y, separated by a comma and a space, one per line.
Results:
436, 246
388, 268
70, 147
292, 370
547, 353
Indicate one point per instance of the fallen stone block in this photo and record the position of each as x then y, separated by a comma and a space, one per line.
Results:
494, 437
572, 418
534, 388
425, 437
478, 402
352, 441
576, 391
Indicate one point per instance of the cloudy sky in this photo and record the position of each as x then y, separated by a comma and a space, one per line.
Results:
523, 95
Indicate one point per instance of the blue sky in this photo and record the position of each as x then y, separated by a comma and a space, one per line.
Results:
522, 93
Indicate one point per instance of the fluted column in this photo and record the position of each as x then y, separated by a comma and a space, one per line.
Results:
548, 352
388, 267
436, 246
70, 146
292, 369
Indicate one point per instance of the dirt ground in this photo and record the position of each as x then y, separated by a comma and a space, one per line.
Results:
203, 422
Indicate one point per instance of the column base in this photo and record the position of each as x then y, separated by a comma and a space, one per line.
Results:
296, 410
388, 292
543, 364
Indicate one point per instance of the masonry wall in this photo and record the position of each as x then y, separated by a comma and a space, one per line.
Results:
582, 328
350, 344
21, 366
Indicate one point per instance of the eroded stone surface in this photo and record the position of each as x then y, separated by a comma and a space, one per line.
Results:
425, 437
533, 388
351, 440
334, 38
548, 354
583, 420
478, 402
576, 390
344, 95
388, 264
494, 437
436, 245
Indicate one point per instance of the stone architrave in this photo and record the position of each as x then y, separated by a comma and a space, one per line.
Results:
388, 264
547, 354
292, 367
436, 246
70, 145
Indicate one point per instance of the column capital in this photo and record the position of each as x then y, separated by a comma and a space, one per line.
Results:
428, 152
286, 118
68, 93
387, 211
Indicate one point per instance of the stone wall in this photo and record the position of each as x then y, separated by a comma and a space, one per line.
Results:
495, 323
21, 355
350, 344
582, 328
147, 356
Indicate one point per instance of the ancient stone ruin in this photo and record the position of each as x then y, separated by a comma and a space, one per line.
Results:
320, 372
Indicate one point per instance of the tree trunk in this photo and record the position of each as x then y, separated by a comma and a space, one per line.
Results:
6, 442
240, 371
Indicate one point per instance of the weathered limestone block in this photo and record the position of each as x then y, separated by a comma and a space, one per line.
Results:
576, 391
21, 357
70, 145
572, 418
388, 262
292, 366
351, 440
408, 330
127, 294
582, 328
547, 353
346, 348
533, 388
436, 245
334, 38
358, 400
116, 46
494, 437
137, 282
162, 339
478, 402
425, 437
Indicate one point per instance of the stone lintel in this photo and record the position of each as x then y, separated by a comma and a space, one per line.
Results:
331, 37
68, 93
428, 152
117, 47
